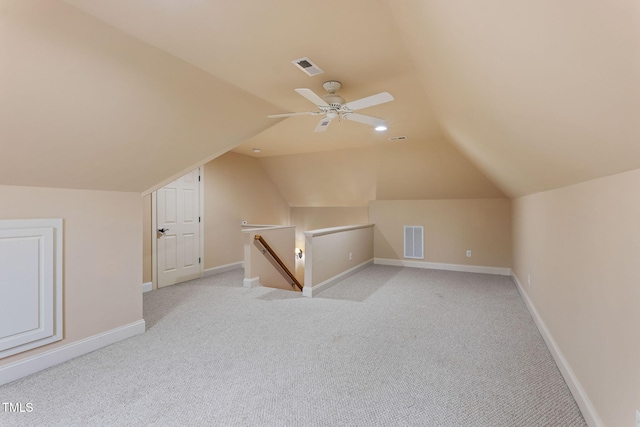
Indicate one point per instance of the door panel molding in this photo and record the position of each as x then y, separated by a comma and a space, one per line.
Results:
174, 210
30, 284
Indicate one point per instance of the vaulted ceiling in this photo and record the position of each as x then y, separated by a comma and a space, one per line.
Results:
521, 96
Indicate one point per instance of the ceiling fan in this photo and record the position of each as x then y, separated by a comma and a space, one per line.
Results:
333, 105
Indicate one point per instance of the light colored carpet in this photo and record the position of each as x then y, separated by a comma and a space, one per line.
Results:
387, 347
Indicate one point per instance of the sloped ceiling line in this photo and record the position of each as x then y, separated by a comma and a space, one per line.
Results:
537, 94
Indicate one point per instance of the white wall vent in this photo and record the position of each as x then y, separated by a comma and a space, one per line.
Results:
307, 66
414, 241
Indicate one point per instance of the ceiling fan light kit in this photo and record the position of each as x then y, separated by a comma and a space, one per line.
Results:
333, 105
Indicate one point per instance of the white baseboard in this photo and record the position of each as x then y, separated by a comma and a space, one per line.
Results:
39, 362
442, 266
222, 268
584, 403
251, 283
310, 291
147, 287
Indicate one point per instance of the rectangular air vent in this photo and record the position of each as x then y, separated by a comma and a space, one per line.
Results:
307, 66
414, 241
322, 126
397, 138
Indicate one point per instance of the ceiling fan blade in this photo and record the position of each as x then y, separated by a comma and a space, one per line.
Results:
311, 96
306, 113
369, 101
367, 120
323, 124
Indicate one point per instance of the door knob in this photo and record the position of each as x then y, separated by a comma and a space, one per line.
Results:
162, 230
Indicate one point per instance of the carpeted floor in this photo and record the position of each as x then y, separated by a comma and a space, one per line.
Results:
389, 346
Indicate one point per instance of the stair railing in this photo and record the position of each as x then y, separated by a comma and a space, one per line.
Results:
286, 272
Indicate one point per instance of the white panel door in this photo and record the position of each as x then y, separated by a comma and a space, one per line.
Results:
178, 233
30, 284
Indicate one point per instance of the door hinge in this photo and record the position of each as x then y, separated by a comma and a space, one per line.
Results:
199, 260
199, 219
198, 178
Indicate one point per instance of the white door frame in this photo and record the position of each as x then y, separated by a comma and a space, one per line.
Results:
154, 228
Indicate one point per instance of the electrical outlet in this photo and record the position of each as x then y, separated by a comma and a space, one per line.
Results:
468, 253
529, 279
350, 256
637, 418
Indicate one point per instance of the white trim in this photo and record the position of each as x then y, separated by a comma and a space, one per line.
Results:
251, 226
147, 287
201, 216
154, 240
39, 362
309, 291
265, 227
442, 266
586, 407
222, 268
332, 230
251, 283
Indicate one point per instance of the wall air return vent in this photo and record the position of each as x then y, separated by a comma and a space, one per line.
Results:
309, 68
414, 241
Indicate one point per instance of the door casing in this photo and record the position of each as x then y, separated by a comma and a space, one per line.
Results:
154, 228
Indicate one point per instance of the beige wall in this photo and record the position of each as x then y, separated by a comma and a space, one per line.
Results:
581, 246
426, 170
329, 254
405, 170
147, 235
102, 255
306, 219
236, 188
450, 228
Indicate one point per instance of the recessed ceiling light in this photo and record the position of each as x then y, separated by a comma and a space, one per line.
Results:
256, 150
380, 128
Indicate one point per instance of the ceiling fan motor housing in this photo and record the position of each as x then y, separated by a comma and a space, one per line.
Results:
334, 101
332, 86
333, 105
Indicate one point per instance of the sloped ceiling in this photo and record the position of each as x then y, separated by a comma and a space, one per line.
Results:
251, 44
85, 106
537, 94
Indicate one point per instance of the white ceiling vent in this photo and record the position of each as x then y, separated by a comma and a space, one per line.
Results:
397, 138
307, 66
414, 241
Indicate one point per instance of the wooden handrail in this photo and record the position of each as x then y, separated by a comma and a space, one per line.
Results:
279, 261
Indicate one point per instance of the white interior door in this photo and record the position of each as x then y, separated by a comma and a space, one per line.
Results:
178, 230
